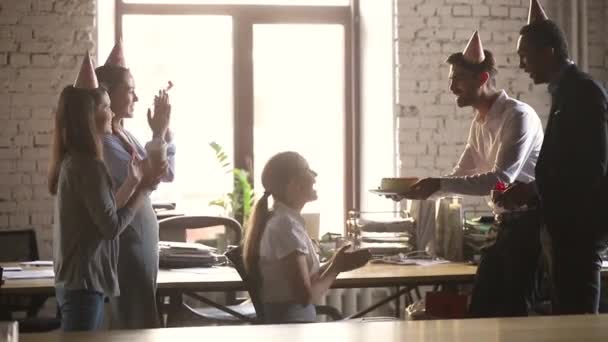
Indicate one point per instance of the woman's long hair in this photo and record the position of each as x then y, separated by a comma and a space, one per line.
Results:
277, 173
75, 131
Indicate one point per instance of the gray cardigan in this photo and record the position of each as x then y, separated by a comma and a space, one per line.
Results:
87, 226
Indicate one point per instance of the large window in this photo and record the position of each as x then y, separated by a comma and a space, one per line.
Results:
258, 77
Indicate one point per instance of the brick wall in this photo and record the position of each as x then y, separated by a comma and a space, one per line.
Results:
432, 130
41, 42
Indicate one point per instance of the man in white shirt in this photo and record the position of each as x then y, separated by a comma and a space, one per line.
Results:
503, 146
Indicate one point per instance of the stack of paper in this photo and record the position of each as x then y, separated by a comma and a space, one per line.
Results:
181, 254
28, 274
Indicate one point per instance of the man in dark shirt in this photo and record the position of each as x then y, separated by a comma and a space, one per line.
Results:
571, 168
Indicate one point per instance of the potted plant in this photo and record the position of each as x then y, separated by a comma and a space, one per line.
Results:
239, 202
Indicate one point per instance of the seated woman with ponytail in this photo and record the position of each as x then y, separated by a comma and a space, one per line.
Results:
278, 251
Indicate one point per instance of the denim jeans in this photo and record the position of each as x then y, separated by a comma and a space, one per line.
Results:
81, 310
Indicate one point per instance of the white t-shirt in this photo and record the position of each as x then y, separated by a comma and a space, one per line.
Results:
285, 233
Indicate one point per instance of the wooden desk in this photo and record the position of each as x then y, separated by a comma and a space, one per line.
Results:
590, 328
227, 279
175, 283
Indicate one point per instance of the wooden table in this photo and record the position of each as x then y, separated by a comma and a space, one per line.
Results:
590, 328
227, 279
174, 283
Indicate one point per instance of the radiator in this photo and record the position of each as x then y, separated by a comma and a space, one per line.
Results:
351, 301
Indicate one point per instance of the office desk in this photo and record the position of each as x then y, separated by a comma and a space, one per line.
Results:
589, 328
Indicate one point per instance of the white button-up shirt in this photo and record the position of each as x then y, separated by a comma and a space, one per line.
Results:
503, 147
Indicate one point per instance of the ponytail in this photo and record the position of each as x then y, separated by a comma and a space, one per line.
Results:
253, 236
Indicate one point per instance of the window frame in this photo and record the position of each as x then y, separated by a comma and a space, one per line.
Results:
244, 17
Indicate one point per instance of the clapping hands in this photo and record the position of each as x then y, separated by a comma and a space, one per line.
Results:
159, 119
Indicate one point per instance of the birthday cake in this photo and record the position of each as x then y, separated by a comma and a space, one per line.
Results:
398, 185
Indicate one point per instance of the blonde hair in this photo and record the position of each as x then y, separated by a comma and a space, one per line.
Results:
277, 174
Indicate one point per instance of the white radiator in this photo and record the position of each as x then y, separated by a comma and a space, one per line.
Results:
351, 301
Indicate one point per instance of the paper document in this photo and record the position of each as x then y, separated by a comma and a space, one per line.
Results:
29, 274
37, 263
12, 269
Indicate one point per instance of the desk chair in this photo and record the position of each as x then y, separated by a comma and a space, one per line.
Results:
175, 229
16, 246
235, 256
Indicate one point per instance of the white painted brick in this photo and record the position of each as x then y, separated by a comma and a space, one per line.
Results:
41, 192
510, 2
405, 122
26, 166
445, 162
408, 135
499, 11
9, 17
462, 34
426, 10
18, 221
463, 22
43, 5
425, 134
38, 219
3, 220
10, 179
42, 139
433, 22
42, 165
413, 149
19, 59
16, 5
502, 37
444, 11
9, 153
37, 179
21, 193
408, 162
3, 58
20, 113
7, 166
7, 206
35, 153
36, 126
462, 11
43, 113
23, 140
518, 12
455, 2
23, 33
38, 47
425, 161
9, 127
450, 150
5, 100
481, 11
43, 60
429, 123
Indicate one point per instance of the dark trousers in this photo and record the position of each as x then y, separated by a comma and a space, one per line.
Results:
575, 270
504, 283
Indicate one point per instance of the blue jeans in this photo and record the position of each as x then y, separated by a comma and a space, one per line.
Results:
81, 310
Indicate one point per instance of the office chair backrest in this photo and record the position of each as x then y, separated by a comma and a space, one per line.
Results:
174, 228
18, 245
252, 283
